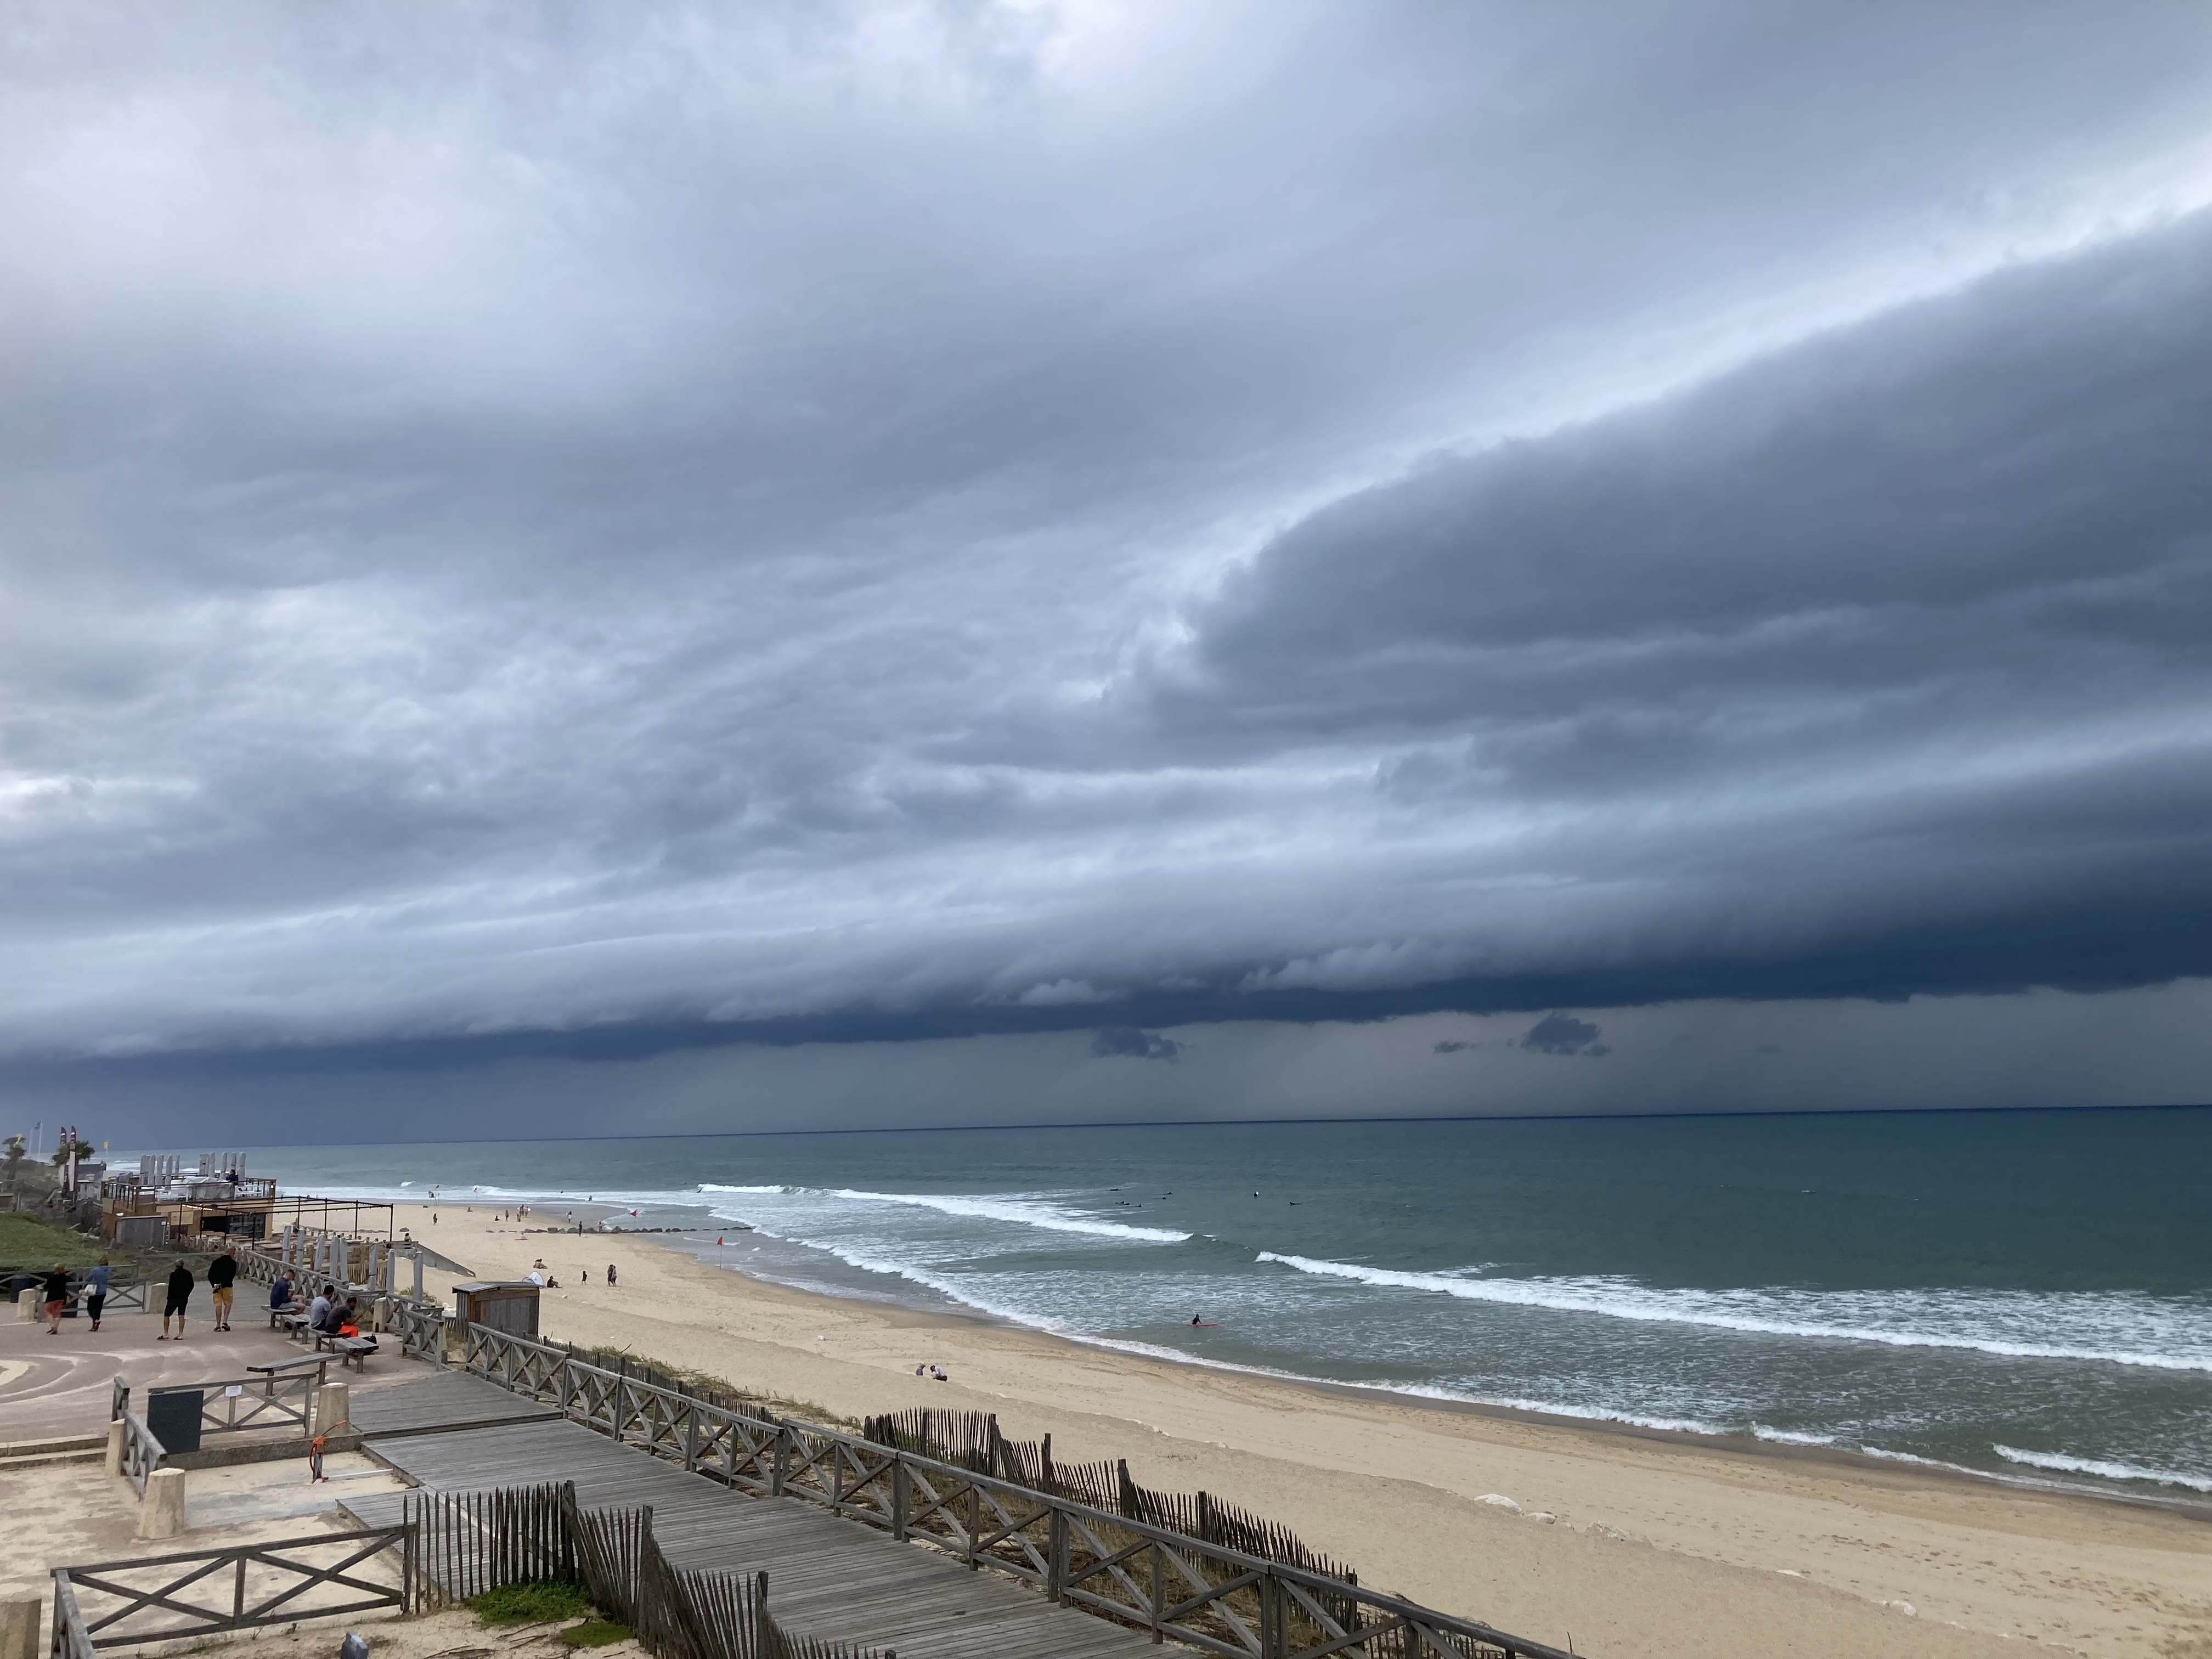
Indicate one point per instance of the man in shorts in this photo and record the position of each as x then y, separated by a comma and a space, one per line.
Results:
223, 1278
181, 1294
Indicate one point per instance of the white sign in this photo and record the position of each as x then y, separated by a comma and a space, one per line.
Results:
235, 1389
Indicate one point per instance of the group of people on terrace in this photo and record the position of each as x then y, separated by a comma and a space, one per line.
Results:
330, 1313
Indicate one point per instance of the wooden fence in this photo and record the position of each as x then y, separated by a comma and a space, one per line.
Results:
232, 1405
1170, 1582
142, 1452
972, 1440
474, 1542
200, 1593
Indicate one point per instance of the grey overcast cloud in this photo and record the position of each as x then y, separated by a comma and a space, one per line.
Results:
778, 566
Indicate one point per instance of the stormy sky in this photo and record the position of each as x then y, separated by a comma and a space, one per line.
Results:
929, 562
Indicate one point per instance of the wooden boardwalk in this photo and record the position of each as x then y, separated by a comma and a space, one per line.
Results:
440, 1404
828, 1576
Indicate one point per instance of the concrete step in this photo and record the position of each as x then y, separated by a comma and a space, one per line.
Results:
33, 1454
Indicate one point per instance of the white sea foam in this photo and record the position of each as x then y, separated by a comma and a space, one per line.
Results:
2105, 1468
1028, 1213
2118, 1327
1791, 1436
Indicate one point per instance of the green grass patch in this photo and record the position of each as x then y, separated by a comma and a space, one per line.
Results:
532, 1601
595, 1634
29, 1245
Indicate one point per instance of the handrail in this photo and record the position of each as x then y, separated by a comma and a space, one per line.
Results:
244, 1597
141, 1452
70, 1639
262, 1402
1089, 1557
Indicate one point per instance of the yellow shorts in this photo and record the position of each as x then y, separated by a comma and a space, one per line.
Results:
222, 1296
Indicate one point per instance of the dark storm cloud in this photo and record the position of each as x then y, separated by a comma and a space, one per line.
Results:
592, 536
1128, 1042
1875, 651
1562, 1034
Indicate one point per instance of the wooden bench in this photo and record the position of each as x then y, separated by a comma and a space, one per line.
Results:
276, 1314
318, 1362
352, 1351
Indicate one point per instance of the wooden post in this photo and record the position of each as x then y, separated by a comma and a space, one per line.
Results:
899, 1499
1056, 1555
974, 1521
1159, 1588
781, 1469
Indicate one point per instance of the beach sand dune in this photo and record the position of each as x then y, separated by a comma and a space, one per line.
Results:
1656, 1544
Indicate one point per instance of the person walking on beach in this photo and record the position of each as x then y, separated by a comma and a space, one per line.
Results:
57, 1299
223, 1281
95, 1291
179, 1297
610, 1272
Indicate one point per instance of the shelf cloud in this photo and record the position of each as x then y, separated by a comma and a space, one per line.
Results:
861, 524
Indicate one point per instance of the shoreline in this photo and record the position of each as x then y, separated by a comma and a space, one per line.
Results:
1636, 1541
1722, 1441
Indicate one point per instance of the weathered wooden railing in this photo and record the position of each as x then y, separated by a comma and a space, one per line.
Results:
253, 1585
236, 1404
420, 1326
1176, 1587
142, 1452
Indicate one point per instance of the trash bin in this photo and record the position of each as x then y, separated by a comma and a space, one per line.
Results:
174, 1415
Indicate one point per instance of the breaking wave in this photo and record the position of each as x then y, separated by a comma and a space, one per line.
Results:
2121, 1328
2105, 1468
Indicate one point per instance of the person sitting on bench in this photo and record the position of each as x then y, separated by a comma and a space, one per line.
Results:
348, 1318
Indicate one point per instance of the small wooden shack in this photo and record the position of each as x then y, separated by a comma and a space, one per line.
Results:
503, 1304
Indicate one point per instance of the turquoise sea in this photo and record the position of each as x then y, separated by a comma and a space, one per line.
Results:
2024, 1293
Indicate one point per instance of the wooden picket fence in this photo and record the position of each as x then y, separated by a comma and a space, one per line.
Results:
971, 1440
473, 1542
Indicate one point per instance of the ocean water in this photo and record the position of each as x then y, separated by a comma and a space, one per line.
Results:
2022, 1293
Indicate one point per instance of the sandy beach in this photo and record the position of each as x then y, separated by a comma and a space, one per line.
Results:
1656, 1545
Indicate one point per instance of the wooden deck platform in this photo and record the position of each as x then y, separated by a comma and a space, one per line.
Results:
440, 1404
830, 1577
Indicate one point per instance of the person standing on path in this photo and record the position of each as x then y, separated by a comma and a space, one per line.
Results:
180, 1295
222, 1279
95, 1291
55, 1298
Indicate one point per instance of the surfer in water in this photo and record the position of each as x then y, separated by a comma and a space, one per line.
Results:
1202, 1324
